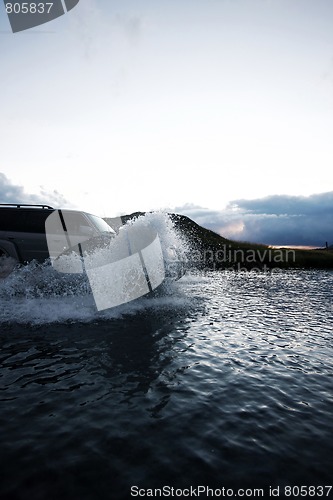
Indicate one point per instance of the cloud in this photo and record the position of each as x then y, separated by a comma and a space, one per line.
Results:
11, 193
273, 220
287, 205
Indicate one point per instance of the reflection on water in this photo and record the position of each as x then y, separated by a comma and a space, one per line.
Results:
225, 380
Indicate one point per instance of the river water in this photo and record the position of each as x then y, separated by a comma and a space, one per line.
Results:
223, 380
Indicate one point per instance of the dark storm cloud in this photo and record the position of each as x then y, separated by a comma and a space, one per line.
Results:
288, 205
273, 220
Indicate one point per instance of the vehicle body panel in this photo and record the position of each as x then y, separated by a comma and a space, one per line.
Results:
24, 235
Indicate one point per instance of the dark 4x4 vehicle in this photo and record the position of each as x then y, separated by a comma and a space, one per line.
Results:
23, 235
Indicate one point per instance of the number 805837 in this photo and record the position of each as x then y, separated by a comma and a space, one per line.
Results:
29, 8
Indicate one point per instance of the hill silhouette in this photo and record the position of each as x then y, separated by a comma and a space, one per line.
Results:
207, 249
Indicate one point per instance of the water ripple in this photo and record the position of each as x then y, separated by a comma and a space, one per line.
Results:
228, 380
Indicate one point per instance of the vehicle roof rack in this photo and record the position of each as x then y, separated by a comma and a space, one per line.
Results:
24, 205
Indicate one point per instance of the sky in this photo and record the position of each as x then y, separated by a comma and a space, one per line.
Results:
218, 109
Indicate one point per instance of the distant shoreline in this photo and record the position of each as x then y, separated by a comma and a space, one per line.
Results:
297, 247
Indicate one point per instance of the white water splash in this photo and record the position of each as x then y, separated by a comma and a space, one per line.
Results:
38, 294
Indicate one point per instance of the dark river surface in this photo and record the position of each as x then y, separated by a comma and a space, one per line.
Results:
225, 380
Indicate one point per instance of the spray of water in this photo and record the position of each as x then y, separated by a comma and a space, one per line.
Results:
38, 294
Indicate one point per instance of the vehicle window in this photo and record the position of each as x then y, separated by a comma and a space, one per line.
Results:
35, 221
12, 220
20, 220
101, 225
75, 222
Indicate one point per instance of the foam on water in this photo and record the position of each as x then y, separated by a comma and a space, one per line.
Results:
38, 294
